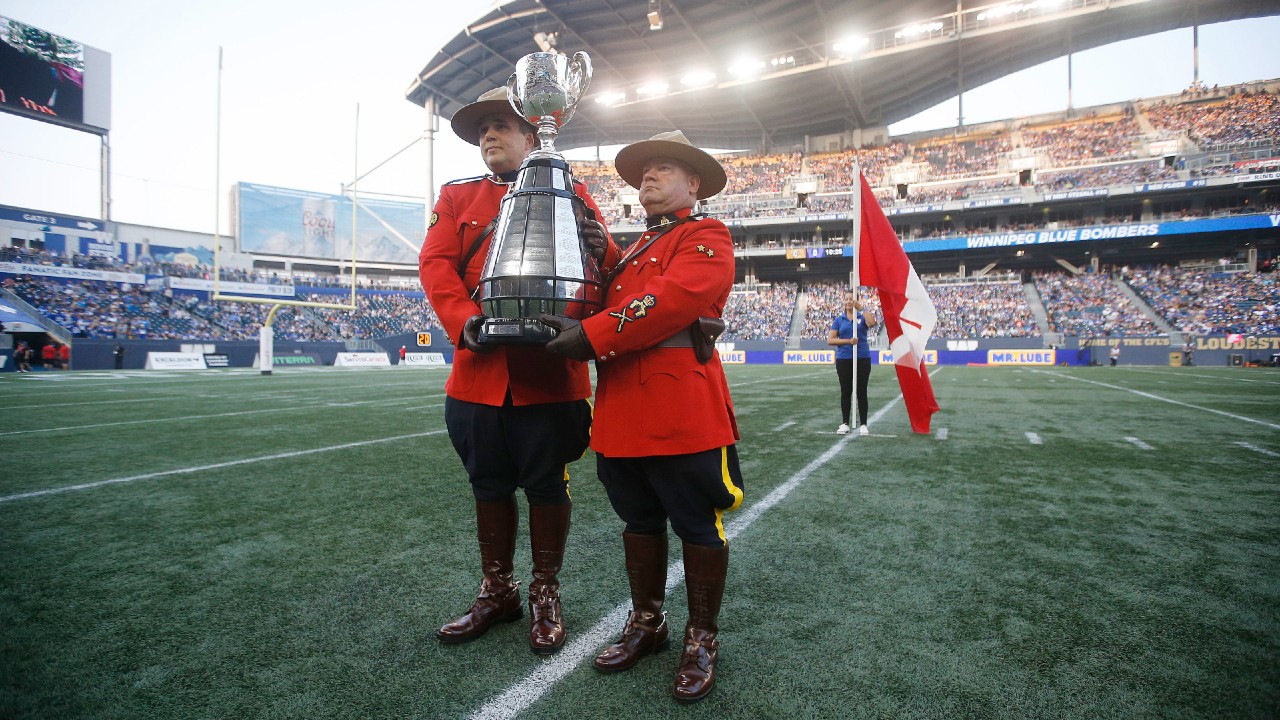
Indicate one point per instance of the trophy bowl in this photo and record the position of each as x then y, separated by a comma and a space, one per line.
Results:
545, 90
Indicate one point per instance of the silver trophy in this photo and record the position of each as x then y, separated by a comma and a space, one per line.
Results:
537, 262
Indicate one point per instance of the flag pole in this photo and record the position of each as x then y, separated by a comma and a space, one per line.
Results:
855, 236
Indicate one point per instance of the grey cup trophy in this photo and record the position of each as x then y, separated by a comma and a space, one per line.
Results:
537, 262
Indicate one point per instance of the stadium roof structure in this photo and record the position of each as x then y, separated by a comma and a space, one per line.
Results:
820, 67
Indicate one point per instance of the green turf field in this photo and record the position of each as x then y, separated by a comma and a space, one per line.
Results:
1068, 543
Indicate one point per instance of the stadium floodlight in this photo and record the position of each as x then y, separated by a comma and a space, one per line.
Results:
698, 78
655, 15
746, 67
912, 31
611, 98
999, 12
851, 46
654, 88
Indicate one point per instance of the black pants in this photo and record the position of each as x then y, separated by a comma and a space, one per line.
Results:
693, 491
844, 371
527, 446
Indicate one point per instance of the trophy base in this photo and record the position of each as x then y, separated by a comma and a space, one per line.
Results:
515, 331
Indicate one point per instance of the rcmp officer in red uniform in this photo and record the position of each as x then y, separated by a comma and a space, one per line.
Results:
517, 415
664, 428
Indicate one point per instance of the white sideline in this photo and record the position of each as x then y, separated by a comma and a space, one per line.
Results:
520, 696
215, 466
1150, 396
1255, 448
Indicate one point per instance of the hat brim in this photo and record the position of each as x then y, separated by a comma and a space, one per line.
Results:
631, 159
466, 122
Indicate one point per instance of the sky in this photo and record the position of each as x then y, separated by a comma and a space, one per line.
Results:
294, 72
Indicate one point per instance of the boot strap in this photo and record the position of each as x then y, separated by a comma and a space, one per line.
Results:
633, 624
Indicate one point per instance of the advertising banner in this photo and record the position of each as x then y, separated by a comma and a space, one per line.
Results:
237, 288
174, 361
733, 357
886, 357
425, 359
282, 221
809, 357
72, 273
1021, 357
361, 359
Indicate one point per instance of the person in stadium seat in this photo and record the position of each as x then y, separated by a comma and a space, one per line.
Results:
664, 430
517, 415
849, 329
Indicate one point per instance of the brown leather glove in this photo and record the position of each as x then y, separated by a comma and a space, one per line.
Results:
571, 342
471, 335
594, 238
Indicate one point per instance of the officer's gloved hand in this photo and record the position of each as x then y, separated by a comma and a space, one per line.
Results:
594, 238
471, 335
571, 342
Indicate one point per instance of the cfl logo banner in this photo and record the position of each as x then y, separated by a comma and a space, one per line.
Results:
809, 357
733, 357
425, 359
930, 357
1021, 357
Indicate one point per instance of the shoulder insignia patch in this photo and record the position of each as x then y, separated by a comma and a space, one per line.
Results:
435, 218
638, 309
704, 249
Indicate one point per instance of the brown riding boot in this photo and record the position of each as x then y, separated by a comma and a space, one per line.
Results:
499, 598
704, 570
646, 630
548, 531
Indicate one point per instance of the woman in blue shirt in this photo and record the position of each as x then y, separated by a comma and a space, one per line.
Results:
848, 329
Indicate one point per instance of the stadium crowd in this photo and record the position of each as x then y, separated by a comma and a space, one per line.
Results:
1091, 304
1206, 301
1084, 152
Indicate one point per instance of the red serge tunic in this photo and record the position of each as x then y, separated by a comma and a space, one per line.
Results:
530, 373
661, 400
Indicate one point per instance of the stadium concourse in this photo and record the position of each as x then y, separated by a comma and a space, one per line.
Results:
1146, 224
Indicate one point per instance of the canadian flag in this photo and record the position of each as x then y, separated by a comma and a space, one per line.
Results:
909, 315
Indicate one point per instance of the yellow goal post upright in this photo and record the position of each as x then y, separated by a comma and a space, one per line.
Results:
266, 334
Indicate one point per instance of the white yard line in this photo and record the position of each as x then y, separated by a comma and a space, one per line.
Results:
1150, 396
1255, 448
1139, 444
67, 428
1034, 439
215, 466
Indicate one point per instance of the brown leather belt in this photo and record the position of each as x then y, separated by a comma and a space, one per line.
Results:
679, 340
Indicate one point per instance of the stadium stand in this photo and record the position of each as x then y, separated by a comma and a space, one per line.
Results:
1220, 131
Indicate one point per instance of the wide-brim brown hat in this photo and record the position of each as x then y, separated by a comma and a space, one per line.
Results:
631, 159
466, 122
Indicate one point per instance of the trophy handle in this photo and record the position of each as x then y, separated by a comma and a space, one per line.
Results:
580, 73
512, 97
